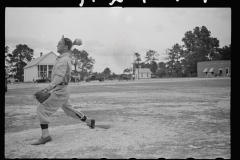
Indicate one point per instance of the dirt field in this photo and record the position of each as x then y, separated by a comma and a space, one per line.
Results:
157, 118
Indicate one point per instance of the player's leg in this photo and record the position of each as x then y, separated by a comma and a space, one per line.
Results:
67, 108
44, 111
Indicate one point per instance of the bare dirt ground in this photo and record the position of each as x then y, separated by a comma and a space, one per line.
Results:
157, 118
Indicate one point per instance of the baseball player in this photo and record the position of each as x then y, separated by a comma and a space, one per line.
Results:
57, 91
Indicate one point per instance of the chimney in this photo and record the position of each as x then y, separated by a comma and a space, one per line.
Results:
40, 54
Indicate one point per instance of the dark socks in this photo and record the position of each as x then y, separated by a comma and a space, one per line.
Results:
82, 119
44, 126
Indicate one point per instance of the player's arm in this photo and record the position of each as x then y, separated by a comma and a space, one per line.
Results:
57, 80
60, 72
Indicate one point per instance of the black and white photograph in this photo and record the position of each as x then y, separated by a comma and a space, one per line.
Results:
118, 82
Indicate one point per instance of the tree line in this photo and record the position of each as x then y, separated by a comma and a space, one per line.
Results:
182, 59
198, 45
82, 62
16, 60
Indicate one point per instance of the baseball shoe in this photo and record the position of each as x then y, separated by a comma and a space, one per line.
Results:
92, 124
42, 140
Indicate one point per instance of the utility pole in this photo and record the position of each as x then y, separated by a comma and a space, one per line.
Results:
138, 69
17, 65
134, 65
171, 71
19, 60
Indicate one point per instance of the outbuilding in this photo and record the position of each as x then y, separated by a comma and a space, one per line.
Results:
144, 73
214, 68
40, 67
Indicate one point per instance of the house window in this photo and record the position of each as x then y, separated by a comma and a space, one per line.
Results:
42, 71
141, 74
50, 67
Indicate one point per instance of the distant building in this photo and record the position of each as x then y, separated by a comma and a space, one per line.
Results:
143, 73
214, 68
40, 67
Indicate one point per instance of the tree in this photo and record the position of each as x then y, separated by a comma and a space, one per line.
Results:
170, 67
161, 71
162, 65
127, 70
7, 64
178, 68
170, 63
76, 58
174, 56
176, 52
82, 62
138, 58
107, 71
19, 59
151, 56
199, 46
200, 40
225, 53
114, 75
154, 67
145, 65
212, 49
190, 64
87, 63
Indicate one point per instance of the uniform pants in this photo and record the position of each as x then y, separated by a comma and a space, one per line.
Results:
59, 98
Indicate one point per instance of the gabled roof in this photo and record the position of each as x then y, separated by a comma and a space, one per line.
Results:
143, 70
37, 60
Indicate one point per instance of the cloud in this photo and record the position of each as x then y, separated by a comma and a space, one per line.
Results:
219, 13
174, 14
177, 15
116, 11
129, 19
123, 56
117, 55
32, 43
54, 10
91, 46
93, 43
144, 49
226, 41
113, 51
159, 28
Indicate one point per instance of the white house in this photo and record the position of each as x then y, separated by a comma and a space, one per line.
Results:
40, 67
143, 73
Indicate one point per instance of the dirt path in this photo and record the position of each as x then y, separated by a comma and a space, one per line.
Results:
147, 119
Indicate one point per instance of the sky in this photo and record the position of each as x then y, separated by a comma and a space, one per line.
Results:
112, 35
